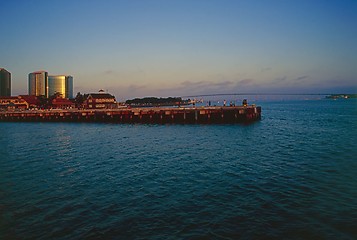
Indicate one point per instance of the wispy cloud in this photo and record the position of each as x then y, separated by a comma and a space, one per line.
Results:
245, 82
194, 84
223, 84
187, 88
265, 69
280, 79
301, 78
108, 72
135, 88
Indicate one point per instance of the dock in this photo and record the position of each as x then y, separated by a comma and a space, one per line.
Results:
153, 115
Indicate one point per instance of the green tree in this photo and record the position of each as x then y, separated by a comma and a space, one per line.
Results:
79, 100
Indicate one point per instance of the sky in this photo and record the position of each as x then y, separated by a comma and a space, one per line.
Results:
138, 48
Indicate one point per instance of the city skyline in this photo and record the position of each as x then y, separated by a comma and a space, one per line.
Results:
180, 48
40, 83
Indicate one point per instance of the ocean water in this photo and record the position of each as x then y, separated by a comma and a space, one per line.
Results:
293, 175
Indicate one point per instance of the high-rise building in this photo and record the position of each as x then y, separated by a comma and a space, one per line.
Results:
5, 83
60, 84
38, 83
42, 84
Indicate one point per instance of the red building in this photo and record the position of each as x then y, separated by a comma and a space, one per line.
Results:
11, 103
33, 101
100, 100
62, 103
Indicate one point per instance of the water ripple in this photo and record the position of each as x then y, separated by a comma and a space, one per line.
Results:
290, 176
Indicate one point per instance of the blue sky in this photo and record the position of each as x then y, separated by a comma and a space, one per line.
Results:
163, 48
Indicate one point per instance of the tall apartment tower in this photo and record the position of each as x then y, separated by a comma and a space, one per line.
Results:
5, 83
61, 84
38, 83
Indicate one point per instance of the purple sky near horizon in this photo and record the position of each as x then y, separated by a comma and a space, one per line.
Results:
137, 48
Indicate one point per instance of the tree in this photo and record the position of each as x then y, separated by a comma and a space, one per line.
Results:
79, 100
43, 101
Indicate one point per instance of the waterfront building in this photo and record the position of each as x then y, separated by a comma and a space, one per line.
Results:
5, 83
62, 103
60, 84
33, 101
100, 100
38, 83
12, 103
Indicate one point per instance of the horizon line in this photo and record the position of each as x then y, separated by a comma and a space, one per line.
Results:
283, 94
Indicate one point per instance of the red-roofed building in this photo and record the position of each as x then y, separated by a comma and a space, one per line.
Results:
10, 103
33, 101
62, 103
100, 100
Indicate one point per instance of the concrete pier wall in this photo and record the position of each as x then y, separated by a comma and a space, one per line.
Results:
201, 115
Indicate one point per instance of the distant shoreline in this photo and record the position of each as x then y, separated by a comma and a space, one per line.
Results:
335, 96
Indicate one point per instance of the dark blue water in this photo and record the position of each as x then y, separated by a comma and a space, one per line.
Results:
293, 175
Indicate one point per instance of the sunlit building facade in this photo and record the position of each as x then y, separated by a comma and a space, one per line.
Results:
42, 84
100, 100
60, 84
37, 85
5, 83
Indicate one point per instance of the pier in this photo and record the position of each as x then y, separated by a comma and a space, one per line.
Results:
155, 115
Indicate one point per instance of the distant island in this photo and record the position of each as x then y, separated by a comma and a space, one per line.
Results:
336, 96
154, 101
